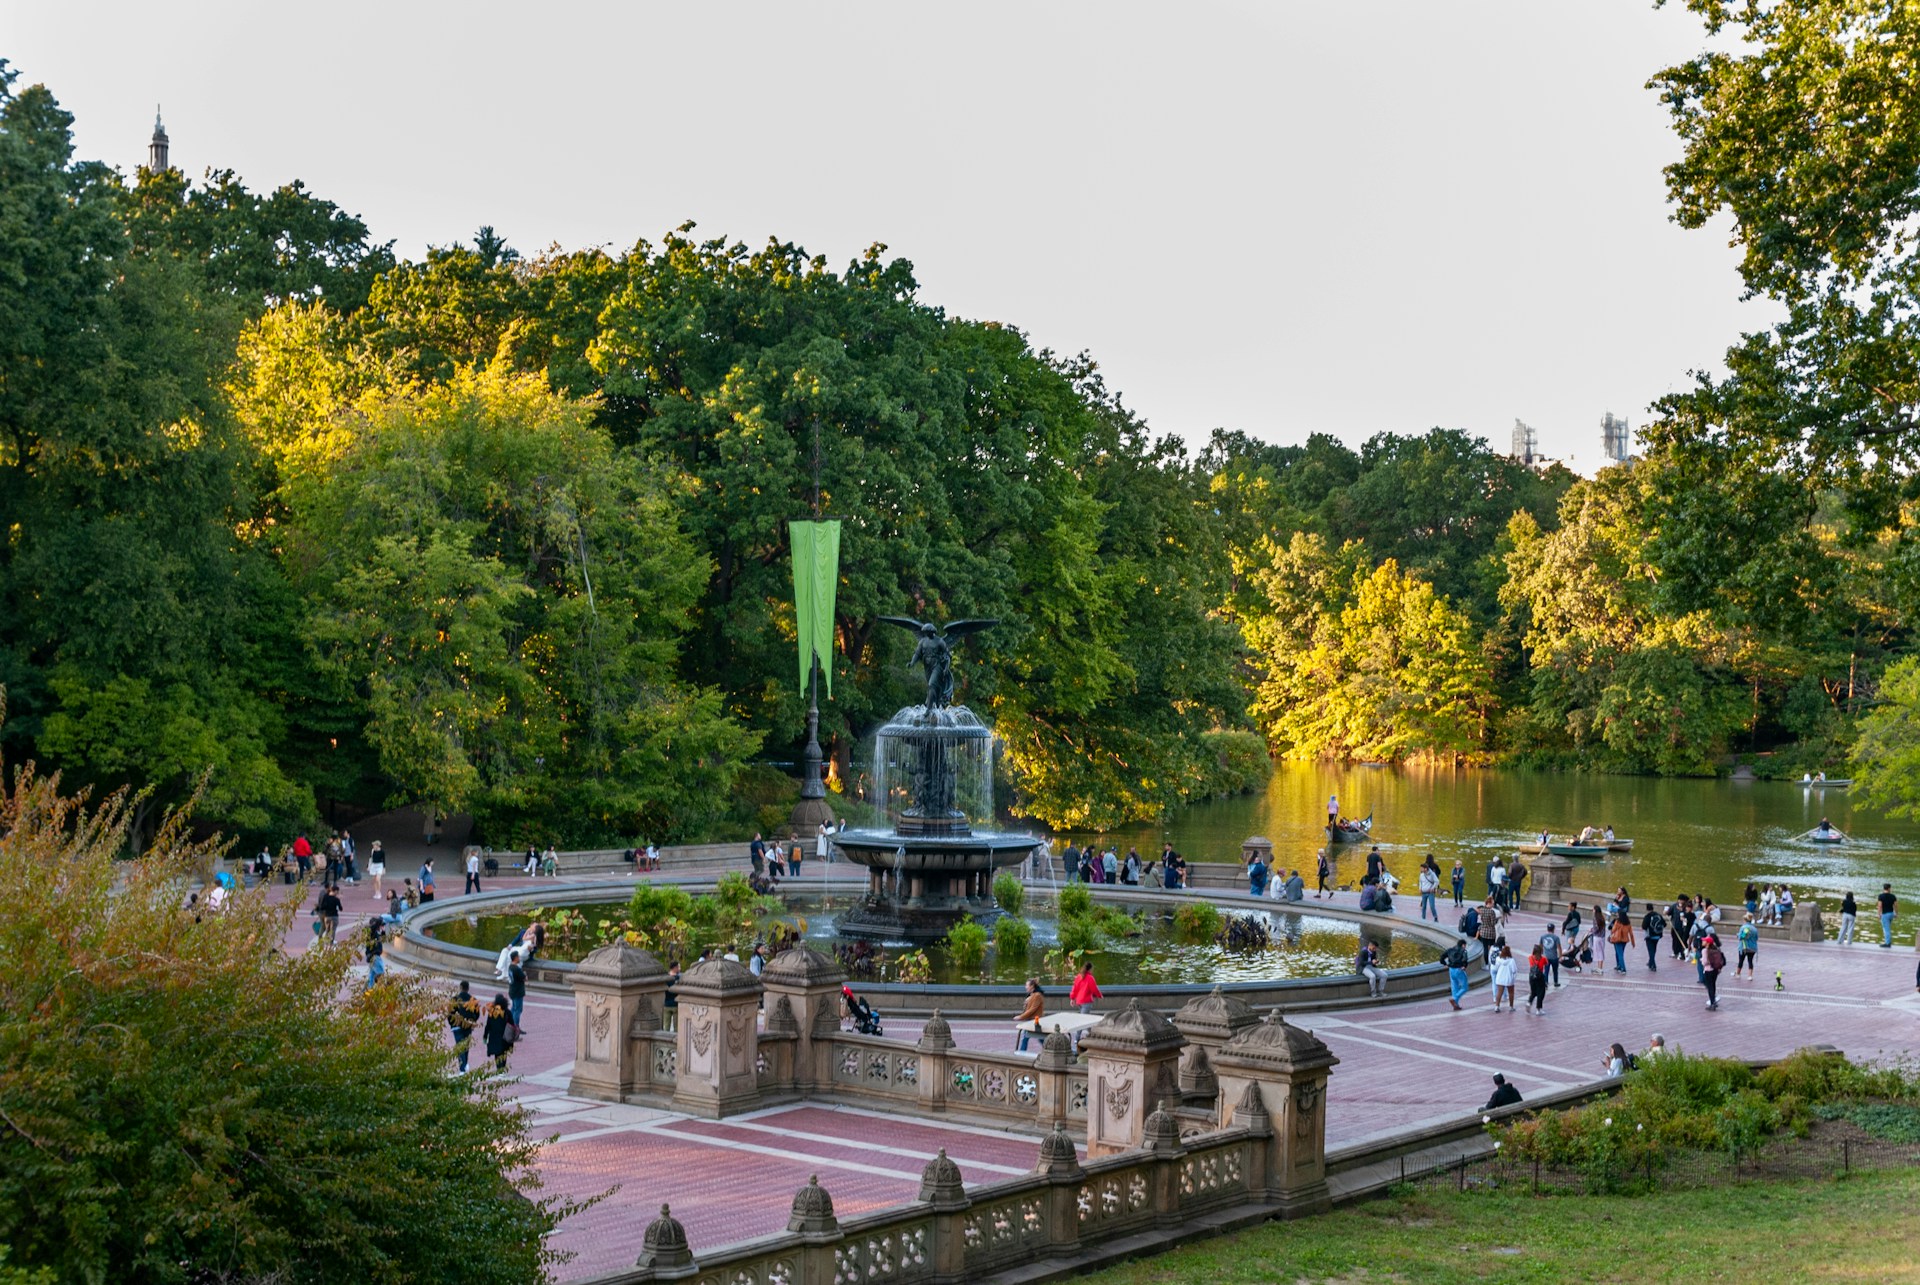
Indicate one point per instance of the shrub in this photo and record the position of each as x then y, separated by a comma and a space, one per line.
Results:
1115, 922
1196, 921
1075, 901
1012, 939
1079, 935
967, 944
1237, 763
1009, 893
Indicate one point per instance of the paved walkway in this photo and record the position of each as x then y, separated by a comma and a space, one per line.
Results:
1401, 1065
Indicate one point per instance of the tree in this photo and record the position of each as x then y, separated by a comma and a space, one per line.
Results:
1886, 757
506, 593
181, 1101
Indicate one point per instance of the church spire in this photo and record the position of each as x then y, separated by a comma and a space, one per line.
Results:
157, 148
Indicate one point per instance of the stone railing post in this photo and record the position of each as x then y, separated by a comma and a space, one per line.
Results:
936, 1043
1059, 1164
813, 1222
1549, 879
1257, 846
1208, 1022
1804, 924
1162, 1142
664, 1252
719, 1039
1133, 1061
618, 995
943, 1191
1281, 1071
803, 986
1053, 1069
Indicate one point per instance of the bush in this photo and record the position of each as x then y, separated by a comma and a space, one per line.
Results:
1196, 921
1009, 893
1080, 934
1012, 939
967, 944
1075, 901
1237, 762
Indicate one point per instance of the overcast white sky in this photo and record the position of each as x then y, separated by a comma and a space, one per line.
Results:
1278, 217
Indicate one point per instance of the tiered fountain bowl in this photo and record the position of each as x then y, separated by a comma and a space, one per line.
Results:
930, 868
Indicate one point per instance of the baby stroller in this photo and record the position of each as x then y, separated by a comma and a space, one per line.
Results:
1572, 956
866, 1019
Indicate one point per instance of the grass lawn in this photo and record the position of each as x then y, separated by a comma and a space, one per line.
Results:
1855, 1229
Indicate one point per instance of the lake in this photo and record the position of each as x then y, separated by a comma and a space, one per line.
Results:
1709, 836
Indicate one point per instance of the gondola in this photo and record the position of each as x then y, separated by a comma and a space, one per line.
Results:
1357, 832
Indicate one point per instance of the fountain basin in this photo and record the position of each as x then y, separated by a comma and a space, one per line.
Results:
920, 886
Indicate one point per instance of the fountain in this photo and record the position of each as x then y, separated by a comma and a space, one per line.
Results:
933, 776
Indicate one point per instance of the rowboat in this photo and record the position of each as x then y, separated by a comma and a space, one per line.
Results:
1577, 849
1831, 783
1356, 832
1831, 836
1619, 845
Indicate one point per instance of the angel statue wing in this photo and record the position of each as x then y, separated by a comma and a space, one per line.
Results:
961, 628
905, 622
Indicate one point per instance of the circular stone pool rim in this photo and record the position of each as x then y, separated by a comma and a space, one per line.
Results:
417, 950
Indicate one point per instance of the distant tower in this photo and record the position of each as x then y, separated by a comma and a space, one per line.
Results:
1526, 443
157, 148
1614, 437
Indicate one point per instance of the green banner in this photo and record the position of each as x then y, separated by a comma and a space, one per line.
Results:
816, 578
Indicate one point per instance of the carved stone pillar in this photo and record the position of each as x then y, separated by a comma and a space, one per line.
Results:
1280, 1072
936, 1042
1256, 846
806, 984
942, 1190
719, 1039
1548, 880
1208, 1022
1054, 1070
1804, 924
1133, 1065
618, 995
1059, 1164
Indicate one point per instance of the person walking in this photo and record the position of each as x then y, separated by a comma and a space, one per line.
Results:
1459, 883
1537, 980
1621, 937
1257, 876
1503, 970
1085, 990
462, 1016
1367, 964
473, 871
1748, 939
1550, 946
1323, 870
1497, 882
1429, 890
1488, 929
1712, 960
426, 881
499, 1032
1887, 903
1849, 915
516, 987
377, 867
328, 908
793, 856
347, 851
376, 948
1654, 925
1455, 958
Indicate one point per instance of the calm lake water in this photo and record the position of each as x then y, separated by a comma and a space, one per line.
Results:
1709, 836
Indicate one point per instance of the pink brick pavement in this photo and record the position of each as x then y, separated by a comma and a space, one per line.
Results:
1401, 1065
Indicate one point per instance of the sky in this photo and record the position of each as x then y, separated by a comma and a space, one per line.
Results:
1282, 218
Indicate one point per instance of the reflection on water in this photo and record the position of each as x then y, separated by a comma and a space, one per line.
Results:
1709, 836
1304, 945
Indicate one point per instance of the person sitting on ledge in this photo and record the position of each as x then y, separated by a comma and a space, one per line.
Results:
1504, 1095
1295, 889
1028, 1023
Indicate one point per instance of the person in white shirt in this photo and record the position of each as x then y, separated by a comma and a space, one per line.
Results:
473, 871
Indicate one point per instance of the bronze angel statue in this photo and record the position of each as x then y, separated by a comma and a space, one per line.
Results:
935, 652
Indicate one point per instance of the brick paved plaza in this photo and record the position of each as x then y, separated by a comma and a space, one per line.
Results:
1401, 1065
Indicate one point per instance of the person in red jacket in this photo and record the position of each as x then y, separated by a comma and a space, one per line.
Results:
303, 854
1085, 989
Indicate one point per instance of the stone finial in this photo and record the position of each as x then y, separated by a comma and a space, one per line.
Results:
1215, 1016
1056, 1051
936, 1036
780, 1018
1058, 1157
620, 963
665, 1243
717, 979
941, 1185
1196, 1073
1162, 1131
813, 1210
1251, 1112
1272, 1045
804, 966
1132, 1029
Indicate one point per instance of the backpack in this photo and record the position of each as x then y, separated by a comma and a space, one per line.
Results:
1633, 1062
1469, 925
1656, 926
1715, 959
511, 1036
